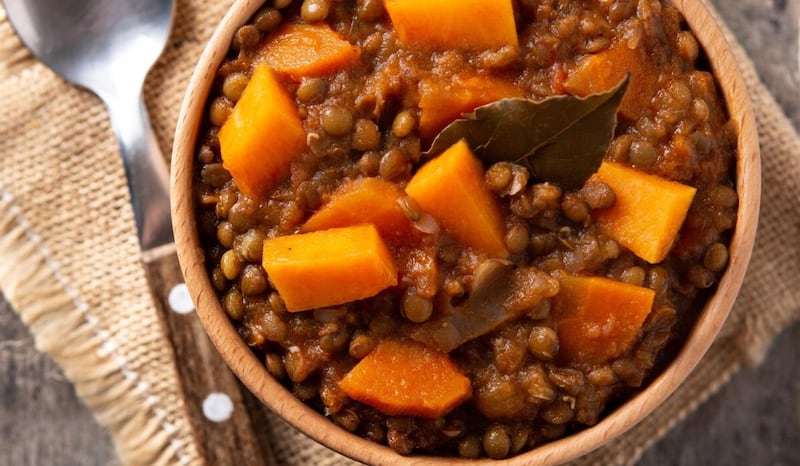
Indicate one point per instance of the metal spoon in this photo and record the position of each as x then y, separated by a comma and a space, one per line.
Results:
108, 47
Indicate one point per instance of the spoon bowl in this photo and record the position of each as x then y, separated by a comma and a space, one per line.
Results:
108, 47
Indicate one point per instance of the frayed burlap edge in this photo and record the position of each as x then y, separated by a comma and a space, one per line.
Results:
64, 328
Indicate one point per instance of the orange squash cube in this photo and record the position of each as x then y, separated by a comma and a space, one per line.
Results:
648, 213
597, 318
442, 102
604, 70
406, 378
329, 267
366, 200
471, 24
450, 188
262, 135
305, 50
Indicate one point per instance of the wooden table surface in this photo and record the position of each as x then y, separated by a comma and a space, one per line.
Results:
753, 420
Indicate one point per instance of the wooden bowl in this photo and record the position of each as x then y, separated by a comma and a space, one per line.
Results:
252, 371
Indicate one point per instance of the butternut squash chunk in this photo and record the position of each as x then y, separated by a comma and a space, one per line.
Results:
329, 267
406, 378
470, 24
450, 188
604, 70
262, 135
366, 200
648, 213
301, 50
441, 102
597, 318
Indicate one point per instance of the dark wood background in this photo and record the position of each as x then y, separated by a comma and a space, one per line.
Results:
753, 420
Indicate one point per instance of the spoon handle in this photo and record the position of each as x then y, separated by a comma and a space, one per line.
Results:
145, 168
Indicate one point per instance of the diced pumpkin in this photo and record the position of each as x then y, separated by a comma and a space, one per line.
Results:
406, 378
602, 71
648, 212
450, 188
262, 135
442, 101
304, 50
366, 200
470, 24
329, 267
597, 318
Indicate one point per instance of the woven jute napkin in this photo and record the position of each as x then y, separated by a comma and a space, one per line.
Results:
69, 256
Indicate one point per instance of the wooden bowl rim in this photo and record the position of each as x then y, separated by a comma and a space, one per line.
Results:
252, 372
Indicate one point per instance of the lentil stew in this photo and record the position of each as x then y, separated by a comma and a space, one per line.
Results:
508, 302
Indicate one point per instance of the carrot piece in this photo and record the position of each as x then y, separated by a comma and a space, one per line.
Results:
300, 50
602, 71
442, 102
597, 318
406, 378
366, 200
330, 267
450, 188
648, 213
262, 135
471, 24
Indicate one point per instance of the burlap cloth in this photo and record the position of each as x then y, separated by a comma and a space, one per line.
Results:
69, 257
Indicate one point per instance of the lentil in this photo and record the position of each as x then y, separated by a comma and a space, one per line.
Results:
220, 110
723, 196
234, 85
275, 366
416, 308
348, 419
470, 447
642, 153
254, 280
250, 245
231, 265
634, 275
267, 19
700, 277
498, 176
574, 208
311, 90
393, 164
403, 123
218, 279
314, 11
360, 345
543, 343
370, 10
233, 303
496, 442
517, 239
597, 194
337, 121
716, 257
366, 135
246, 38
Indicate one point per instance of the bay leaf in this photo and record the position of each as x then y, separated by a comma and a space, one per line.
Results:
561, 139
